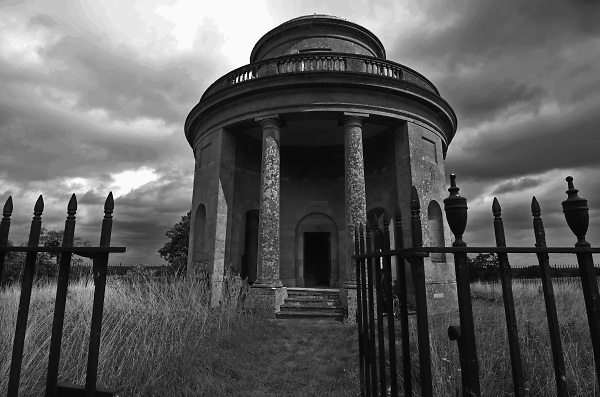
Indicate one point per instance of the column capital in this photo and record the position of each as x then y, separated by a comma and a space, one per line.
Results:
272, 120
352, 119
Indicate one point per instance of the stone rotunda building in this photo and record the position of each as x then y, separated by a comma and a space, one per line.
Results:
316, 133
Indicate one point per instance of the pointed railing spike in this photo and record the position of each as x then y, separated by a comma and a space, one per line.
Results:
496, 210
72, 206
535, 208
8, 209
576, 213
38, 208
109, 206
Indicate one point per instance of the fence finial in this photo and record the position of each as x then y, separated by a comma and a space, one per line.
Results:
496, 210
109, 206
72, 207
456, 212
576, 213
38, 208
8, 209
535, 208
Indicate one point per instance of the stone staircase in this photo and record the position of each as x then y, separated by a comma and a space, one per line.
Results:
312, 303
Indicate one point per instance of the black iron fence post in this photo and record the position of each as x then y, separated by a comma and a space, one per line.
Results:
365, 315
417, 268
509, 303
62, 286
456, 214
577, 215
371, 307
359, 314
403, 298
25, 300
560, 374
387, 281
4, 229
380, 305
100, 264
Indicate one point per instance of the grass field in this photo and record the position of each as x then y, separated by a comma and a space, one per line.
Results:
492, 343
160, 339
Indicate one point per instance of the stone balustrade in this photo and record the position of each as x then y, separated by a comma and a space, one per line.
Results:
321, 62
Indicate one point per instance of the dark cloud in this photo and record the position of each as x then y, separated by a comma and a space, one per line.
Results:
481, 99
42, 20
545, 143
517, 185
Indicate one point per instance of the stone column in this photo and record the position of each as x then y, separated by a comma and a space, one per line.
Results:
267, 293
356, 203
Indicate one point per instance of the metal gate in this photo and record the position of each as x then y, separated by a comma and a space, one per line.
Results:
377, 340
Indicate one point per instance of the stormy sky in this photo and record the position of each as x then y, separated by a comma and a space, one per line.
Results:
94, 94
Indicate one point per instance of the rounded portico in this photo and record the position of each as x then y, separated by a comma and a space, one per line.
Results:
297, 147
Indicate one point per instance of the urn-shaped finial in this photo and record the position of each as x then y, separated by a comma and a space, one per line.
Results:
576, 213
456, 212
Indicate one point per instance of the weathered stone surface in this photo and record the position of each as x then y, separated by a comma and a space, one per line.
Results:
268, 233
265, 300
356, 201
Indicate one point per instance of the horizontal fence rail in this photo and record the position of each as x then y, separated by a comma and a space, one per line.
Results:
99, 256
378, 378
319, 62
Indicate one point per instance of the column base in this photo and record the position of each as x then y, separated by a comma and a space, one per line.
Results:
349, 299
265, 300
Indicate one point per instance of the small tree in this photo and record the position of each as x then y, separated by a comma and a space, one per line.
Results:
175, 251
484, 267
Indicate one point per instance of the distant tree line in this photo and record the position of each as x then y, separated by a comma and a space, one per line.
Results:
486, 268
47, 263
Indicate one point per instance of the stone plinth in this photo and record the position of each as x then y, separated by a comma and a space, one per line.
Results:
265, 300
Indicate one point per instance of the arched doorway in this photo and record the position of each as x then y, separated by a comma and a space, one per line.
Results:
250, 255
317, 251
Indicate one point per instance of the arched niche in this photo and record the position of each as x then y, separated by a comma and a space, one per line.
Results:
436, 231
198, 253
317, 251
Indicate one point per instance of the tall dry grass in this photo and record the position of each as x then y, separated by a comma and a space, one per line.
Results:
157, 338
492, 343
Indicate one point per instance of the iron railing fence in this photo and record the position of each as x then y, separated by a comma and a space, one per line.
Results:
375, 350
99, 256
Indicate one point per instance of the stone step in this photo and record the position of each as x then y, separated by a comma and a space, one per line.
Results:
311, 302
310, 294
319, 308
303, 315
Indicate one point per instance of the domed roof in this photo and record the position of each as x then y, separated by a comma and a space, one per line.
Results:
317, 33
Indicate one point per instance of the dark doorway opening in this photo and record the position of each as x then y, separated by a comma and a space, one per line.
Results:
317, 259
250, 256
